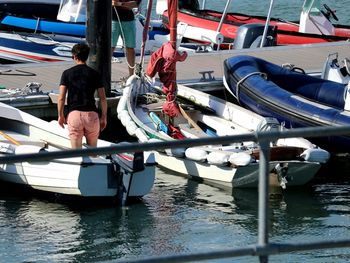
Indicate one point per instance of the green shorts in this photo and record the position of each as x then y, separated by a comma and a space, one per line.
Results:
127, 31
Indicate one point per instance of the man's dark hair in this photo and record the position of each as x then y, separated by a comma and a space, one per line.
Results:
81, 51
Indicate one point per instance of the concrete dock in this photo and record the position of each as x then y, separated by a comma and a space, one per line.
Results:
308, 57
16, 76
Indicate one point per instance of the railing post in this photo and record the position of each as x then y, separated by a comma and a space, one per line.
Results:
264, 195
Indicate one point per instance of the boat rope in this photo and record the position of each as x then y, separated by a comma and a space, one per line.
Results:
292, 67
287, 21
244, 79
51, 43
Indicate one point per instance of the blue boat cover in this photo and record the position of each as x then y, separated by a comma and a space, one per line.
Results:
72, 29
293, 97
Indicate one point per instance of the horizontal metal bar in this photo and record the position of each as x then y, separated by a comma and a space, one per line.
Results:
270, 249
137, 147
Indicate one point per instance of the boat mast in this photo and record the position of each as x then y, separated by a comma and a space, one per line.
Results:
263, 40
203, 4
223, 16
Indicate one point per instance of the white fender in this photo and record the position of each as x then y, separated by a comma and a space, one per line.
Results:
123, 113
201, 34
141, 135
218, 158
122, 104
131, 127
196, 154
176, 152
297, 142
125, 118
240, 159
315, 155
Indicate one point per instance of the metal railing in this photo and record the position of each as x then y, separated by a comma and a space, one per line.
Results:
263, 249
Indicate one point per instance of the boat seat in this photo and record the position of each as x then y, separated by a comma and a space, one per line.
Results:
190, 132
223, 127
20, 139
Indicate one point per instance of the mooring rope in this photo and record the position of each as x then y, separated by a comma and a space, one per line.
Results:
244, 79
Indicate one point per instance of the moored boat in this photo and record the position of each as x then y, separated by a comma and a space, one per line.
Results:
36, 40
28, 47
314, 26
291, 96
294, 162
39, 25
150, 113
116, 176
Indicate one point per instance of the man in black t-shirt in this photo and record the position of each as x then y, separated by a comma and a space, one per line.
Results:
81, 82
123, 24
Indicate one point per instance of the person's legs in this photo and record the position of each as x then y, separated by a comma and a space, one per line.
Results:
76, 143
130, 56
75, 128
91, 124
116, 32
129, 30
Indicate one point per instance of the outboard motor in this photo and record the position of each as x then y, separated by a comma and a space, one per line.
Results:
250, 36
125, 165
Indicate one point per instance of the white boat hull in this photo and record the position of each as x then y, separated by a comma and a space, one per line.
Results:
79, 176
242, 176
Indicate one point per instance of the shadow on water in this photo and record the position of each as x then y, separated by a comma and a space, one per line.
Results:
44, 230
336, 170
21, 192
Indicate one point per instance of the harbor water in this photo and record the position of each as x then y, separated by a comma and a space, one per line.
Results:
180, 215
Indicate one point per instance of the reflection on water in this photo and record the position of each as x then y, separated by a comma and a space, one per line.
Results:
44, 231
178, 216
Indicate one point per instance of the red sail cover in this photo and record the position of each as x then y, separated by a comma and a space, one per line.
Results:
163, 62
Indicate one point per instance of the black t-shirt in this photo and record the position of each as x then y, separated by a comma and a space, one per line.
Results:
81, 82
123, 13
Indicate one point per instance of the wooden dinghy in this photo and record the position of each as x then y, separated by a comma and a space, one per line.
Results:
295, 160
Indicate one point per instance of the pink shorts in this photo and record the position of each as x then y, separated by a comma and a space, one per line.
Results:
83, 123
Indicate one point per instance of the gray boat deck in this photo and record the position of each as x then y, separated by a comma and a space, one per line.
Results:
309, 57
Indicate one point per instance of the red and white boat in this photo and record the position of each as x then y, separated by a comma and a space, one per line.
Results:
315, 24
